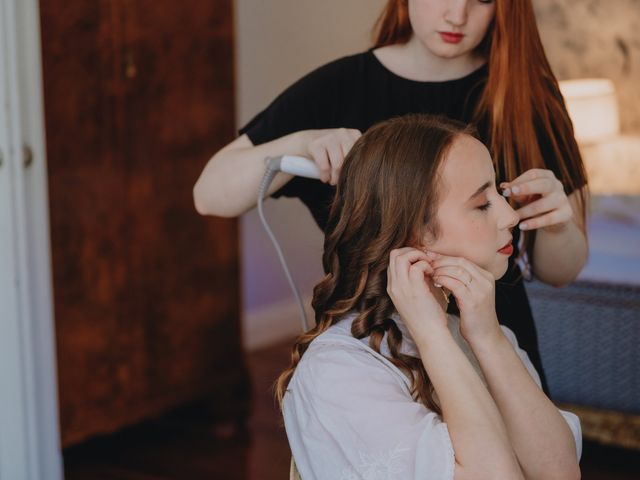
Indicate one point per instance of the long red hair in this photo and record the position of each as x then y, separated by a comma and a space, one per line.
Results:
521, 101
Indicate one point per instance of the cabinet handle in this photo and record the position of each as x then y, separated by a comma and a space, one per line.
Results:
130, 67
27, 156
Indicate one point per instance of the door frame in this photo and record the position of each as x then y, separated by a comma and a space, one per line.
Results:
29, 422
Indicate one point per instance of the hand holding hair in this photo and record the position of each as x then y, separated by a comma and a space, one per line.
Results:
327, 149
543, 199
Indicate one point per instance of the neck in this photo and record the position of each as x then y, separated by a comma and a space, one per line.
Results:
414, 61
441, 294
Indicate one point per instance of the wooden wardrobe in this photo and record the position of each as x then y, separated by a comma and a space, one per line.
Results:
138, 95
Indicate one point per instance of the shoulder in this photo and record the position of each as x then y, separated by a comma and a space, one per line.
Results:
336, 360
342, 66
322, 88
316, 100
339, 72
332, 356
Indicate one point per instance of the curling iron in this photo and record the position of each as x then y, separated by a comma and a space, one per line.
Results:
299, 166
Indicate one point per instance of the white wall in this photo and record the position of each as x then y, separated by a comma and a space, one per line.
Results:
277, 42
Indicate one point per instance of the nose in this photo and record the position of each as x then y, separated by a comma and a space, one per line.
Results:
508, 216
456, 14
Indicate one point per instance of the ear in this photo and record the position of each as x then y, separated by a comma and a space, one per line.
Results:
425, 240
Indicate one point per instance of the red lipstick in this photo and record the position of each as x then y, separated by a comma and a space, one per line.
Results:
449, 37
507, 249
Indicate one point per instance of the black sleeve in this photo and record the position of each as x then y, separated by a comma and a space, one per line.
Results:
310, 103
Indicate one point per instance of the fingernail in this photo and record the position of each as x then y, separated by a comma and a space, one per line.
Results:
515, 190
431, 254
523, 226
437, 285
506, 192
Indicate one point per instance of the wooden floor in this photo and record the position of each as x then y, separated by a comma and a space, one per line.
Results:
183, 446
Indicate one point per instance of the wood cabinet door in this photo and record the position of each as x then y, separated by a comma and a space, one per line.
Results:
138, 95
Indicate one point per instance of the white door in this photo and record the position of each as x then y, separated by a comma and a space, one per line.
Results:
29, 433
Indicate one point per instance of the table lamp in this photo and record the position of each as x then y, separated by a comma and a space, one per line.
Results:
612, 160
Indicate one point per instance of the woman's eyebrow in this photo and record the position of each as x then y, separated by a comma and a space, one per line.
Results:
480, 190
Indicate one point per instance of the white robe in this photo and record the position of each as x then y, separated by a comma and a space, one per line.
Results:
349, 413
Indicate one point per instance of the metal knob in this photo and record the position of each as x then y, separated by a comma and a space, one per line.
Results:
27, 156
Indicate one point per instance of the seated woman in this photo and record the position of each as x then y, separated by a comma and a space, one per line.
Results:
387, 385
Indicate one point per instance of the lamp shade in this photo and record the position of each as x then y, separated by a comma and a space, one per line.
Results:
593, 108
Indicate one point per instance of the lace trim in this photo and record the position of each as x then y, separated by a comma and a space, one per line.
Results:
381, 466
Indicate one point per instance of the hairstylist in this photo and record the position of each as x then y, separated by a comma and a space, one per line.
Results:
476, 61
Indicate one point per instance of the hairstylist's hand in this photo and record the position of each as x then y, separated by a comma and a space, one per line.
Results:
542, 201
408, 278
474, 290
327, 149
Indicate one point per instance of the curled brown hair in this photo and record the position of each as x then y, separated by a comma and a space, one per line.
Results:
521, 102
386, 198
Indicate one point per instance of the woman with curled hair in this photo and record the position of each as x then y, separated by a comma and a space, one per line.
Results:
387, 384
476, 61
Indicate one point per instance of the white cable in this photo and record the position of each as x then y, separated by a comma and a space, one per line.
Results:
269, 175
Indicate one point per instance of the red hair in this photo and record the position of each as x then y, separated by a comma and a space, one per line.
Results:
521, 101
393, 25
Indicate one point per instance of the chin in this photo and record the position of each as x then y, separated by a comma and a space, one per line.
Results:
451, 50
498, 271
448, 51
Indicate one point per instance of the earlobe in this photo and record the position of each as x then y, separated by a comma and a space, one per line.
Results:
425, 242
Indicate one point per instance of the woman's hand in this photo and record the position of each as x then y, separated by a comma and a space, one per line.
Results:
328, 147
408, 286
474, 289
542, 199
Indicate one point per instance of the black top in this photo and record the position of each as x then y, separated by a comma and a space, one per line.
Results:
358, 91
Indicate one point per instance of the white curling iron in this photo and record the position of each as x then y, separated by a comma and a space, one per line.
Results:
301, 167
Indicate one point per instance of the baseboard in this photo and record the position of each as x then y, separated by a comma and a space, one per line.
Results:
273, 323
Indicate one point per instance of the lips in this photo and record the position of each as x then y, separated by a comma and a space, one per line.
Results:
450, 37
507, 249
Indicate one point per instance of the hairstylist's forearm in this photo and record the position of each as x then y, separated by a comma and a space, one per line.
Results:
559, 254
539, 434
477, 431
228, 185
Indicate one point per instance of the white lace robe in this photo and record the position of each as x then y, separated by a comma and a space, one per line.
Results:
349, 413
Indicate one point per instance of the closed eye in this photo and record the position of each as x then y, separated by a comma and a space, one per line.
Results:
484, 207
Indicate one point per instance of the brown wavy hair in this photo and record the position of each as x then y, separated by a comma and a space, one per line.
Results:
521, 101
386, 198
